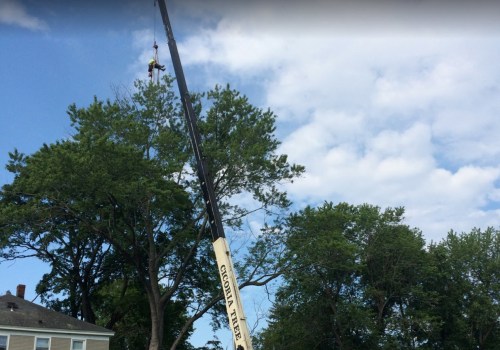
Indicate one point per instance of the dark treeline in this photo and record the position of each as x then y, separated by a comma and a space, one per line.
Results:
362, 279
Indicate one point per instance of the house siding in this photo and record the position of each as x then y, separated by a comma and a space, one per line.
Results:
25, 342
97, 344
23, 321
60, 344
21, 342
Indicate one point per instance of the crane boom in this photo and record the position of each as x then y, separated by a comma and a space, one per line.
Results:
234, 306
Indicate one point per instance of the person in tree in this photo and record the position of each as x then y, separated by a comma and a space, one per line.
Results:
154, 65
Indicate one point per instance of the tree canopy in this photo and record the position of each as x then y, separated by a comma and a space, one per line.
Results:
119, 201
362, 279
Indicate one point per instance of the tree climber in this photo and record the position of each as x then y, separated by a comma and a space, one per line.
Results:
154, 65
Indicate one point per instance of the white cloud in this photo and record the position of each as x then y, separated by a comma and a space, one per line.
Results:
373, 168
389, 17
438, 83
12, 12
390, 114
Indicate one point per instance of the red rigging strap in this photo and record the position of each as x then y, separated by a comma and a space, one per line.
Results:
155, 47
157, 61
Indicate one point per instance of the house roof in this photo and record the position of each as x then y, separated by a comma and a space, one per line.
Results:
16, 312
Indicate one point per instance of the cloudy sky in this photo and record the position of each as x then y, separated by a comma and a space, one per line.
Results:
392, 103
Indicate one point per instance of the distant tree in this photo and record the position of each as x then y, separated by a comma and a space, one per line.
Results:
212, 345
362, 279
467, 282
394, 263
356, 270
35, 222
126, 180
124, 305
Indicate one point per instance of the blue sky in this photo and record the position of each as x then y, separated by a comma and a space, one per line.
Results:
393, 103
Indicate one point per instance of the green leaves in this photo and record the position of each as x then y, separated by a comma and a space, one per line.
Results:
119, 200
354, 270
362, 279
468, 270
240, 147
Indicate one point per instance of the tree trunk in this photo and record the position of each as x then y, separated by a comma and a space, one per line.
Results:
86, 307
157, 321
381, 304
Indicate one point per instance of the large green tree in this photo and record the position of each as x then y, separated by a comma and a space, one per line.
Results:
394, 263
316, 306
124, 183
466, 280
35, 221
362, 279
356, 271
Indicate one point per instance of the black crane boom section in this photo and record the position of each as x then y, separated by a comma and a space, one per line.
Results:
205, 180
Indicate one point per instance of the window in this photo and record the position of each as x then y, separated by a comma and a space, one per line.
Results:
77, 345
42, 344
3, 342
